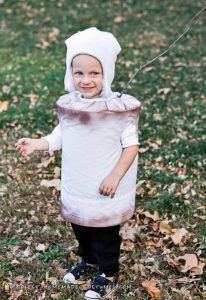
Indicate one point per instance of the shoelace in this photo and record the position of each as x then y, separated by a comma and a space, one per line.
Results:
79, 269
99, 284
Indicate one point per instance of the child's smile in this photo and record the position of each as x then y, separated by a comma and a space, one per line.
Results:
87, 75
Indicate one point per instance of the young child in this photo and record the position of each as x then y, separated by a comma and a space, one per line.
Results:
98, 135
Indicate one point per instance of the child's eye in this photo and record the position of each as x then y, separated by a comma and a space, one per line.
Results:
95, 73
78, 73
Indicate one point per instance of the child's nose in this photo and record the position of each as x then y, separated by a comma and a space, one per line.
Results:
86, 79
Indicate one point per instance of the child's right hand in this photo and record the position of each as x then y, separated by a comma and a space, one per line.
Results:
26, 146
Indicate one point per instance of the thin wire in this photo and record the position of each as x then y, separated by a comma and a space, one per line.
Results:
173, 44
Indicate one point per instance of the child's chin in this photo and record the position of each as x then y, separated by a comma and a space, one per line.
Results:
90, 95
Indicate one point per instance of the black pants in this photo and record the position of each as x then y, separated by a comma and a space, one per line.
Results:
99, 245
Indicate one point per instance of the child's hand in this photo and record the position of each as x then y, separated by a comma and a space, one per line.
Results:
26, 146
109, 185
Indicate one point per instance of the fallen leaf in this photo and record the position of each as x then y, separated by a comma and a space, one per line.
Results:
15, 262
53, 280
46, 162
172, 262
142, 269
143, 150
53, 34
27, 252
154, 144
57, 172
128, 232
15, 295
55, 296
164, 91
190, 262
140, 190
204, 295
3, 106
127, 245
154, 216
41, 247
52, 183
198, 270
157, 117
6, 89
150, 286
178, 235
186, 189
119, 19
33, 99
165, 227
61, 272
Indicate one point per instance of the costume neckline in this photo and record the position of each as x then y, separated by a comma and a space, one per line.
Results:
99, 99
74, 101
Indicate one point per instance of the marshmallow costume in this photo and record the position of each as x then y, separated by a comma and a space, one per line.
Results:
92, 134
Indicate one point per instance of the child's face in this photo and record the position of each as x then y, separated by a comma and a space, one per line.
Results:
87, 75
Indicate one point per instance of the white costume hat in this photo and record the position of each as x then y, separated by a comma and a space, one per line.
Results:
100, 44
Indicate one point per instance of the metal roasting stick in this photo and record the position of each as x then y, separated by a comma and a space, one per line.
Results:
173, 44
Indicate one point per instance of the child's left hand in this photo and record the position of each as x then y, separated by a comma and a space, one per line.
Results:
109, 185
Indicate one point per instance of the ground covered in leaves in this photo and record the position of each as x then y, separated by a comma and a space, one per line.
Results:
163, 249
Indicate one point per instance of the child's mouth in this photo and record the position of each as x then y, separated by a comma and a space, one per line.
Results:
87, 88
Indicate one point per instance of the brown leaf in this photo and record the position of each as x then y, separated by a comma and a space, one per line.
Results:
61, 271
140, 191
172, 262
15, 295
52, 183
41, 247
204, 295
55, 296
33, 99
53, 280
57, 172
190, 262
143, 150
165, 227
53, 34
27, 252
142, 269
74, 256
150, 286
178, 235
154, 216
164, 91
119, 19
127, 245
139, 188
135, 268
3, 105
197, 270
157, 117
154, 144
15, 262
186, 189
6, 89
128, 232
46, 162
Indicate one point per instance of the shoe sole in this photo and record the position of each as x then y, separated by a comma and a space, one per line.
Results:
77, 282
105, 296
